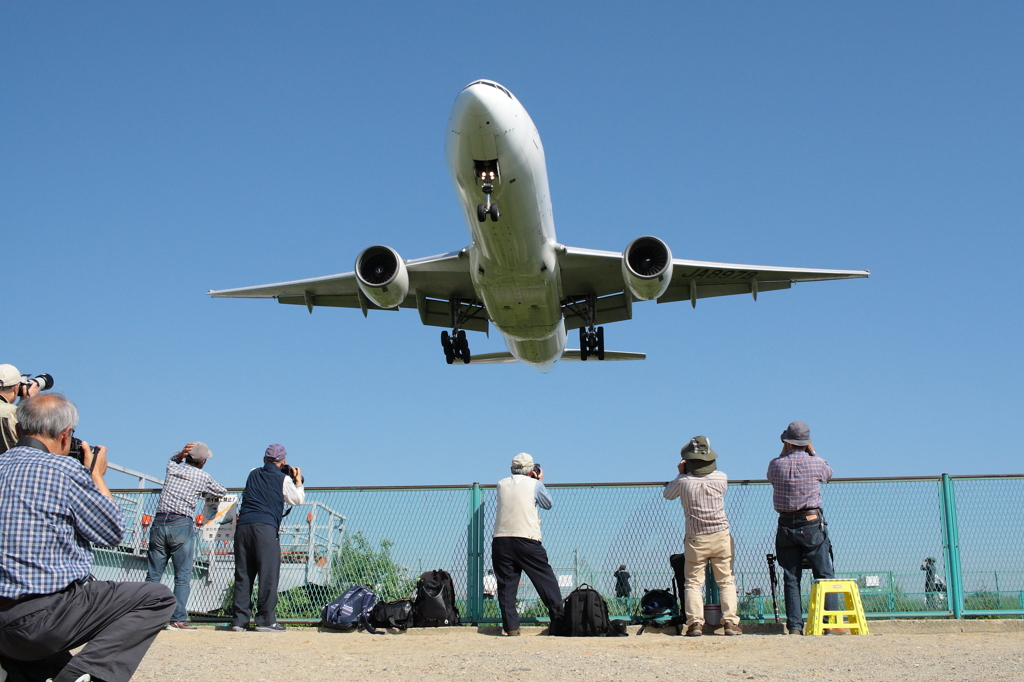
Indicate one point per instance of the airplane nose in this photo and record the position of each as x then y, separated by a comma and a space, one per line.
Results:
472, 100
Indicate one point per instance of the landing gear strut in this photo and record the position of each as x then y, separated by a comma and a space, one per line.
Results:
591, 337
487, 174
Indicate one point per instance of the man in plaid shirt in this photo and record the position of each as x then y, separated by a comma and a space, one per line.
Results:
796, 476
172, 535
52, 508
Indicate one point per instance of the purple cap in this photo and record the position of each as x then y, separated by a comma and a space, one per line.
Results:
276, 452
797, 433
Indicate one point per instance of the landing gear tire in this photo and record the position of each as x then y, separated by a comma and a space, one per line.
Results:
492, 211
583, 344
600, 343
481, 212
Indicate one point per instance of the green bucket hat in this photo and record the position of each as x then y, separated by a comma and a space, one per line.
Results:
699, 455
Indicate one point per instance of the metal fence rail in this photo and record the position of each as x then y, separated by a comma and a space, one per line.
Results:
881, 531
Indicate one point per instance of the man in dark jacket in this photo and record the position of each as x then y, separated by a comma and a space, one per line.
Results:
257, 538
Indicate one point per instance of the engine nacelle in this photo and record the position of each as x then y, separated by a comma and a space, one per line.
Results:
382, 276
647, 267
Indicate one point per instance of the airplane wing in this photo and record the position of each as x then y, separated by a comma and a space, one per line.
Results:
591, 272
436, 283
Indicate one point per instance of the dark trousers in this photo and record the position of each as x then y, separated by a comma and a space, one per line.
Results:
172, 539
117, 622
512, 556
795, 540
257, 552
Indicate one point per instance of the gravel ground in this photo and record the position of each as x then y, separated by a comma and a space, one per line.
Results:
302, 654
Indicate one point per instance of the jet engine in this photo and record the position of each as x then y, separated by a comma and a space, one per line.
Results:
647, 267
382, 276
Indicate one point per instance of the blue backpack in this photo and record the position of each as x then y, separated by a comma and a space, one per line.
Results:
351, 610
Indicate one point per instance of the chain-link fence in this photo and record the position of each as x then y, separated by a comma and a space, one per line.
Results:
882, 530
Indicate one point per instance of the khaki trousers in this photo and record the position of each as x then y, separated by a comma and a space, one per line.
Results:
716, 548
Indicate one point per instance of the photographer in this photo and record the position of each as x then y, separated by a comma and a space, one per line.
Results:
701, 489
516, 544
13, 386
53, 509
257, 537
796, 476
172, 534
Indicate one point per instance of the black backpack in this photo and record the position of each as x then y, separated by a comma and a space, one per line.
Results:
393, 614
586, 615
434, 605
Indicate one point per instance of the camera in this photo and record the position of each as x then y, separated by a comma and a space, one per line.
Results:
78, 453
289, 471
44, 381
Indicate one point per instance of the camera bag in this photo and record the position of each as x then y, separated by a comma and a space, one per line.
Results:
434, 605
393, 614
351, 610
659, 608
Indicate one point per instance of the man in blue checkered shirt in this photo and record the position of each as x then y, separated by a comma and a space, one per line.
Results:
796, 476
52, 509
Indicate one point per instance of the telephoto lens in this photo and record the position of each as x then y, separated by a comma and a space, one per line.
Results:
44, 381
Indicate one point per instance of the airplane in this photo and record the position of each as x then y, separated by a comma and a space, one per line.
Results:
514, 274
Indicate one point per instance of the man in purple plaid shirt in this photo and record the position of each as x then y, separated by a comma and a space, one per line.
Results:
796, 476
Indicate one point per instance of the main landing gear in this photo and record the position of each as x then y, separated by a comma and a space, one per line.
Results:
591, 337
592, 343
487, 173
455, 346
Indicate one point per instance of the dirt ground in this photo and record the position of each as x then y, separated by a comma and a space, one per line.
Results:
898, 651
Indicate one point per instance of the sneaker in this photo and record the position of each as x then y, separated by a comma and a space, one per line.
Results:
731, 629
276, 627
695, 630
83, 678
512, 633
796, 632
237, 628
180, 625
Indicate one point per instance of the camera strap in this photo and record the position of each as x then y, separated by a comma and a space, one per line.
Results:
30, 442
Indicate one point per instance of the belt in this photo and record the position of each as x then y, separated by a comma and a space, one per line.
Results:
800, 514
170, 516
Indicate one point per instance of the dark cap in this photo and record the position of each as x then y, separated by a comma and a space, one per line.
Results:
797, 433
276, 452
699, 447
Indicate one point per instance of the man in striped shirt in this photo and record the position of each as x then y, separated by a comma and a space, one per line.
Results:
796, 476
701, 490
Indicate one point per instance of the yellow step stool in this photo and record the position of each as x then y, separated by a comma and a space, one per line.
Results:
854, 610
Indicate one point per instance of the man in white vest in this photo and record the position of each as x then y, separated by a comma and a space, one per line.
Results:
516, 545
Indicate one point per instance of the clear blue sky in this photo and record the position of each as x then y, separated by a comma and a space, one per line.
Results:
151, 152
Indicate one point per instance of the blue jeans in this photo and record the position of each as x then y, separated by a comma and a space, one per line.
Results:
172, 539
795, 540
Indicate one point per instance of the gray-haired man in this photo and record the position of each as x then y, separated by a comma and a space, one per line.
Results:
54, 510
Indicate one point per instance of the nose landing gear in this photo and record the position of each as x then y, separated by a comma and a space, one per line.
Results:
486, 174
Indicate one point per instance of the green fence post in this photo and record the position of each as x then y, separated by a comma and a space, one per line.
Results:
475, 555
955, 589
710, 586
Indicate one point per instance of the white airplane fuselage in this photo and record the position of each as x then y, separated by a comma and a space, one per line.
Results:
513, 261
